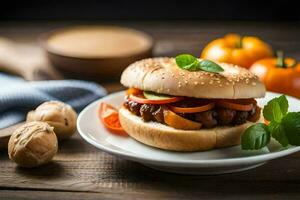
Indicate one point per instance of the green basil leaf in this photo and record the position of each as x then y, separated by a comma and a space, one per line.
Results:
277, 114
155, 96
210, 66
187, 62
272, 111
283, 103
268, 110
256, 136
277, 131
291, 124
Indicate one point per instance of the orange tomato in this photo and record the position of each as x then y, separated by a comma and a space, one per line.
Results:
282, 79
178, 122
233, 48
242, 105
109, 116
197, 109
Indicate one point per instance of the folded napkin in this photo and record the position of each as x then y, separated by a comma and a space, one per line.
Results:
17, 96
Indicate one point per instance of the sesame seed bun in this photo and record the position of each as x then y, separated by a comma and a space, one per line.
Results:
162, 75
165, 137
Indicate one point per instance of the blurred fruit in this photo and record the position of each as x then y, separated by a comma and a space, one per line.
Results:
233, 48
279, 74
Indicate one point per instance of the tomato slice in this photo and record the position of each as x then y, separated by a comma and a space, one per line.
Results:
139, 98
109, 116
196, 109
239, 104
178, 122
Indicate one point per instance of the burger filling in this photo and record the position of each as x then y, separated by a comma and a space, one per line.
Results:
191, 113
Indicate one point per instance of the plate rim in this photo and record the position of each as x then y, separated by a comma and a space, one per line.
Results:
214, 162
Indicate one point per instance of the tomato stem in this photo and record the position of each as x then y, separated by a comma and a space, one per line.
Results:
239, 44
280, 59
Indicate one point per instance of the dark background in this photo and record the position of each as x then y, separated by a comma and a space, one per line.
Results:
150, 10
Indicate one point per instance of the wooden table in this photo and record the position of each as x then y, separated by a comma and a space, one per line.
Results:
80, 171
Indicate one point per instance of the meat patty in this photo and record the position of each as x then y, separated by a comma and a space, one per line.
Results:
159, 115
225, 116
207, 118
133, 106
240, 117
148, 112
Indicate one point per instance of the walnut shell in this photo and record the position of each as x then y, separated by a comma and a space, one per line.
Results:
57, 114
32, 144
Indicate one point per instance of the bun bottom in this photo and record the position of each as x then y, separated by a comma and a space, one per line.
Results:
165, 137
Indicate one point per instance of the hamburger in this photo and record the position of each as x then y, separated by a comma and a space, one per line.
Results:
172, 108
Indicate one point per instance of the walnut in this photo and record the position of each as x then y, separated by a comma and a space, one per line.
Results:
32, 144
57, 114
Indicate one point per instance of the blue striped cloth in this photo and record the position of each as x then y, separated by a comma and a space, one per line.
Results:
17, 96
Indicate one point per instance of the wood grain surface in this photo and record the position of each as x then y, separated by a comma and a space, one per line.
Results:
80, 171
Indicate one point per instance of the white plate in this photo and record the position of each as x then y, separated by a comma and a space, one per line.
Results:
218, 161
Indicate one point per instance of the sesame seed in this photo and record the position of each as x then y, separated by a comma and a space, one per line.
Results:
253, 83
202, 83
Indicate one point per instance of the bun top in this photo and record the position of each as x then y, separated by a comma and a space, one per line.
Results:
162, 75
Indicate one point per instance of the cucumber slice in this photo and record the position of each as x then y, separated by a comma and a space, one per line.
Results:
155, 96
